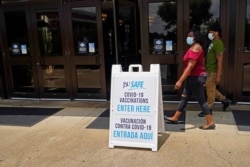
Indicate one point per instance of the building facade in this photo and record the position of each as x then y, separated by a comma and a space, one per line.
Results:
64, 49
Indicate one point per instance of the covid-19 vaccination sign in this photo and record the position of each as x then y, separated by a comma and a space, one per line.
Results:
136, 109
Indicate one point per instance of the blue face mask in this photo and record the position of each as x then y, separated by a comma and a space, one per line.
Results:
210, 36
190, 40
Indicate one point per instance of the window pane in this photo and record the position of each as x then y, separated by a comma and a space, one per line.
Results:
88, 79
17, 34
162, 22
127, 35
22, 78
247, 28
84, 27
49, 34
203, 14
168, 79
162, 27
54, 79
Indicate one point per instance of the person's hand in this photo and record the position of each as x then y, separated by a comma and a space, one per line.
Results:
205, 84
177, 85
217, 80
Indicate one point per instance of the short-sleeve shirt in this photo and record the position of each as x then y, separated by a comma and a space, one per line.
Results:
199, 68
215, 47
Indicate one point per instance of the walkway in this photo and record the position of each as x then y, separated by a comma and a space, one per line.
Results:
62, 140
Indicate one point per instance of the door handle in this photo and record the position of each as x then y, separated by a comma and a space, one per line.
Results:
67, 53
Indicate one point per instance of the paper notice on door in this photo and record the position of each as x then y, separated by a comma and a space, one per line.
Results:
24, 49
169, 45
91, 47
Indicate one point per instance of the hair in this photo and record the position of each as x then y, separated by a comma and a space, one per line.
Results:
197, 37
216, 27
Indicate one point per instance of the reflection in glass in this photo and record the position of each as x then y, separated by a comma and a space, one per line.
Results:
168, 78
17, 38
203, 14
22, 78
162, 27
127, 38
17, 35
163, 38
84, 27
54, 79
88, 79
49, 33
246, 80
247, 28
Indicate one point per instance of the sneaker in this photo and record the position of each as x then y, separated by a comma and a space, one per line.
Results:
226, 103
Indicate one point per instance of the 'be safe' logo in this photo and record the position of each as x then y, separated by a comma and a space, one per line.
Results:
134, 85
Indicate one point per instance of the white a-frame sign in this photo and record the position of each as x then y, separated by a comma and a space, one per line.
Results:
136, 108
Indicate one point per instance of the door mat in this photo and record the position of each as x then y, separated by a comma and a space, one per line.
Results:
242, 119
102, 122
24, 116
180, 127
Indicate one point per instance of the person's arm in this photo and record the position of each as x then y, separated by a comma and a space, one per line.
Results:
185, 74
191, 63
219, 67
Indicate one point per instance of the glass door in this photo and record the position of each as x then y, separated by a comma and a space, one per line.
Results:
164, 27
54, 50
34, 52
51, 51
120, 25
17, 53
242, 62
85, 52
163, 41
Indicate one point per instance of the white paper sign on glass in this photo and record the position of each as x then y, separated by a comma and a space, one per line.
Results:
169, 45
24, 49
91, 47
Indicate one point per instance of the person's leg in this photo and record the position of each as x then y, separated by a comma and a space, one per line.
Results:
182, 105
202, 101
198, 91
180, 109
210, 90
226, 102
219, 96
210, 124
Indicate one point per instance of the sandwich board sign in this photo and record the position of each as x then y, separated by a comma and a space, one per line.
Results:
136, 108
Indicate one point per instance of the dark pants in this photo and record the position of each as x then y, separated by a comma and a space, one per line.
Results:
194, 85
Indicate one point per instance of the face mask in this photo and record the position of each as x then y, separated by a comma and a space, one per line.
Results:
190, 40
210, 36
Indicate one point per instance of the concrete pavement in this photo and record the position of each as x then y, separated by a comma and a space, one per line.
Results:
62, 140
